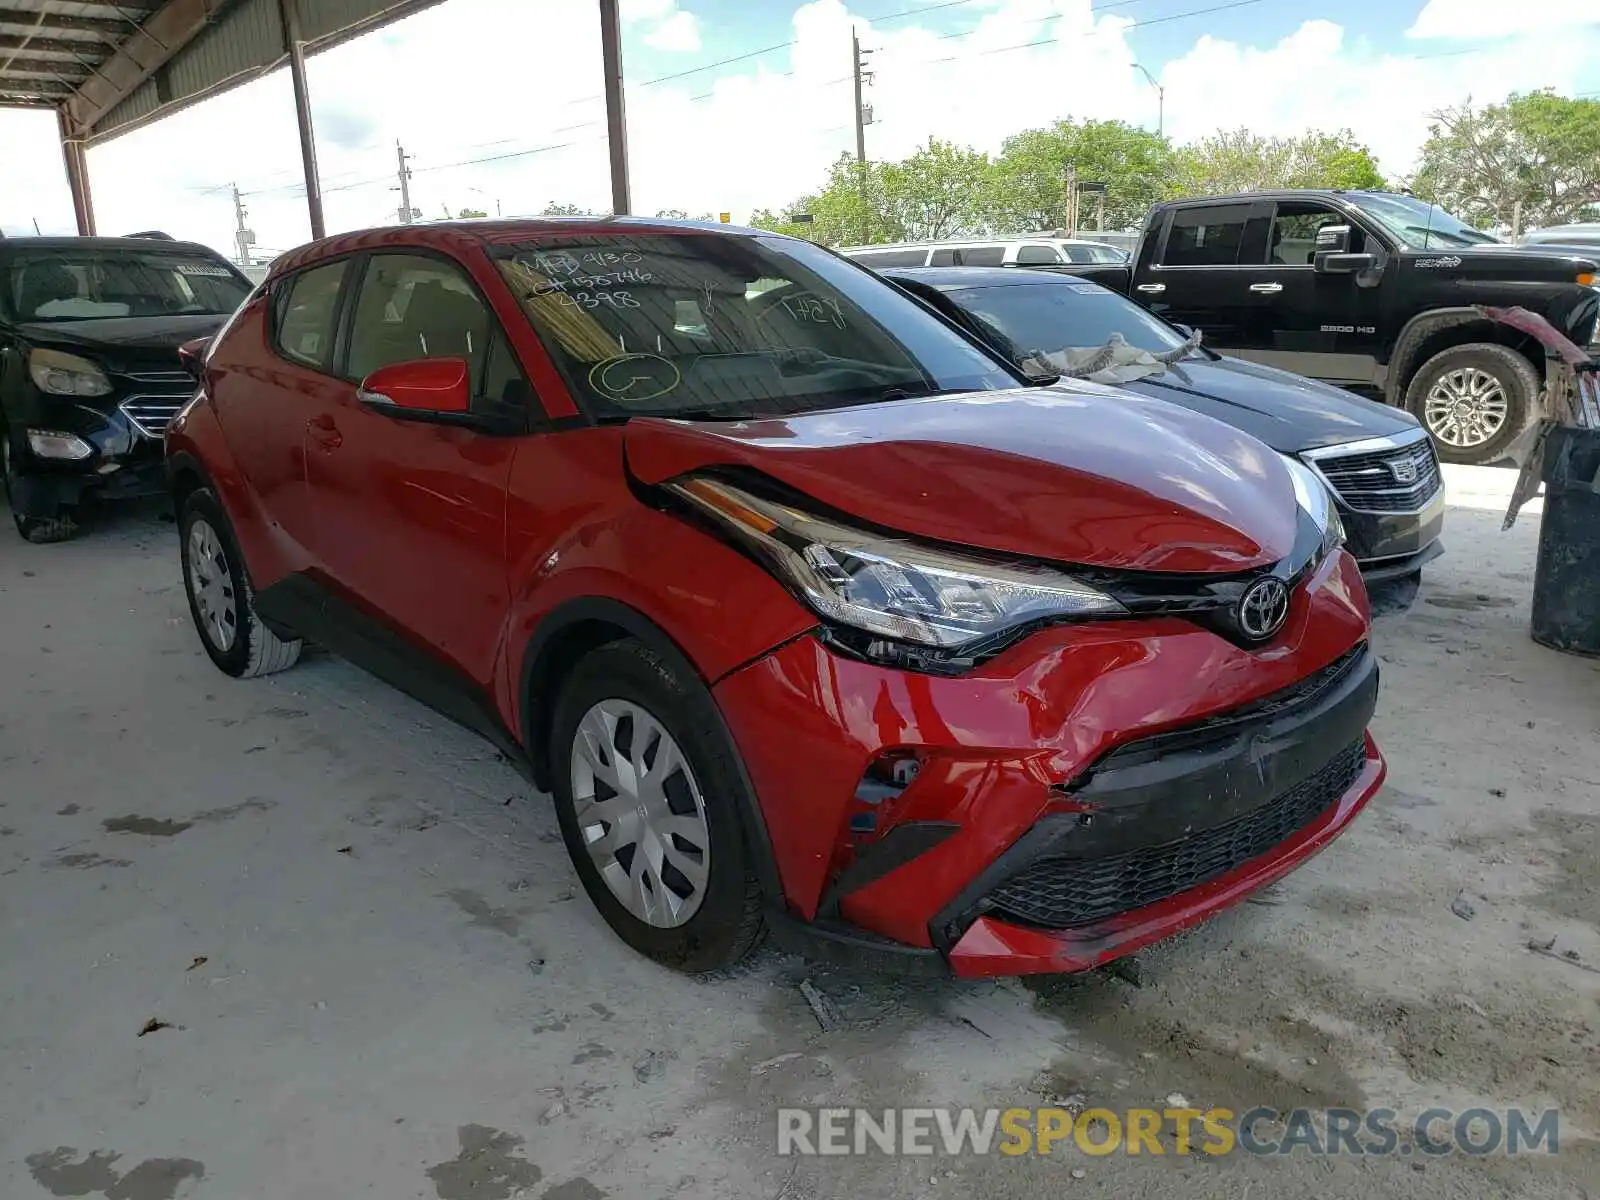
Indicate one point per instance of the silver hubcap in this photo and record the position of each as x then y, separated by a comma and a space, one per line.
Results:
211, 585
1466, 407
641, 813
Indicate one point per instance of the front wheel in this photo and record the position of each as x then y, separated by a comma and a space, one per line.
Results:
61, 526
221, 600
648, 792
1474, 400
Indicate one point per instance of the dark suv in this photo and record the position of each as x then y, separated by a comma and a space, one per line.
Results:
89, 367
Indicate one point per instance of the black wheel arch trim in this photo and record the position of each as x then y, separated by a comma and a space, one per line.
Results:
1405, 358
533, 680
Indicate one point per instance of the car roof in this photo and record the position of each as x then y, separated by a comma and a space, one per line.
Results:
989, 241
62, 242
481, 231
950, 279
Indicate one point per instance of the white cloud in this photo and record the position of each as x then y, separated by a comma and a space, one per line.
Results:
677, 34
1496, 18
531, 105
646, 10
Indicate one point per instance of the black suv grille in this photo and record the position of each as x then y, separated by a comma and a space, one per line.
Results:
1058, 893
1385, 481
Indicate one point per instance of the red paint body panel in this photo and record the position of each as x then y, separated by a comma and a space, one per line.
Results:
465, 543
998, 737
1079, 477
991, 947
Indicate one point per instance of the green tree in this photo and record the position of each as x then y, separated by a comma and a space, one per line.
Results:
464, 213
566, 210
1027, 185
1240, 161
1540, 150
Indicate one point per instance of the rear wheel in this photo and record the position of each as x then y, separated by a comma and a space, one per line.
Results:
59, 527
1474, 400
221, 600
648, 794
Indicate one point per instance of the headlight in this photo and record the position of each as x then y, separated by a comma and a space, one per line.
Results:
1316, 501
893, 586
66, 374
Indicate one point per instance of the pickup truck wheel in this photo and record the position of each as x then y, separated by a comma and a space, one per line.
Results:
1474, 400
646, 788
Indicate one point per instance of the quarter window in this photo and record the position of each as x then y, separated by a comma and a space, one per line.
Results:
307, 314
1206, 237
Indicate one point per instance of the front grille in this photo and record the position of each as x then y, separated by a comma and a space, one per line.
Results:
1058, 893
174, 378
151, 414
1374, 482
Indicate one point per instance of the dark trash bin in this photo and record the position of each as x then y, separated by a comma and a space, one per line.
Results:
1566, 582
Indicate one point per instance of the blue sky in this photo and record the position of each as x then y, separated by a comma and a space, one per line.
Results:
493, 116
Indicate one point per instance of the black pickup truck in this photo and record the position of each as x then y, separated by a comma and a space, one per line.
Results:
1369, 290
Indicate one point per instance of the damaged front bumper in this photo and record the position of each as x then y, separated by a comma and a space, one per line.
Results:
1092, 789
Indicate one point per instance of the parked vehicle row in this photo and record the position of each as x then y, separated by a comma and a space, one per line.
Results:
665, 510
1372, 291
1040, 252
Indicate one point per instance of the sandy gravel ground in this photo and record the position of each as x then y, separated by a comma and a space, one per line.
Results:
372, 972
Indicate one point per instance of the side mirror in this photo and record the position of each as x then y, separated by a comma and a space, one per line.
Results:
1343, 264
1333, 239
436, 389
192, 355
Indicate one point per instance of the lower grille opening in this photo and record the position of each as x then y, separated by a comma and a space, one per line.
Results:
1055, 892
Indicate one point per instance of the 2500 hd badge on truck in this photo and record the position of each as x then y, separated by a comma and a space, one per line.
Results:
89, 368
798, 600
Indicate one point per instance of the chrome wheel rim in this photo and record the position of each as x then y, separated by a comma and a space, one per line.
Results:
641, 813
211, 586
1466, 407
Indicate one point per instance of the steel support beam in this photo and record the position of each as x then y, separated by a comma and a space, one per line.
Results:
77, 176
616, 115
53, 90
61, 69
94, 48
144, 50
294, 43
116, 27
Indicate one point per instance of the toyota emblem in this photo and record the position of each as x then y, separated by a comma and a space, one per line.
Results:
1263, 608
1404, 470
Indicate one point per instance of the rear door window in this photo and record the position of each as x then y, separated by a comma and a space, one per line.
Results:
1034, 255
307, 313
983, 256
1208, 236
890, 258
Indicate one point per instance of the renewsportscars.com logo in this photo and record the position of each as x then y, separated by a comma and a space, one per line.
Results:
1434, 1132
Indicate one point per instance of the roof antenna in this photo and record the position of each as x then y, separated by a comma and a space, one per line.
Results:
1427, 233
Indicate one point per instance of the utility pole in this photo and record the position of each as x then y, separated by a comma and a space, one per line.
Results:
405, 184
616, 106
1161, 100
863, 119
243, 237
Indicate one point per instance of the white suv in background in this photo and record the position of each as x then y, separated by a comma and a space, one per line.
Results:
1021, 252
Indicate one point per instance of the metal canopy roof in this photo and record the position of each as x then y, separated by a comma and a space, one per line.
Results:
108, 66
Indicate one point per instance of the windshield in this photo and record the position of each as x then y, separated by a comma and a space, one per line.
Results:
80, 285
1417, 224
713, 326
1047, 317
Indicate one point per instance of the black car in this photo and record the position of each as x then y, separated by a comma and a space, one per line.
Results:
1378, 461
89, 366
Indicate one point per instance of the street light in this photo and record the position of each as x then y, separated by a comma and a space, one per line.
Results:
486, 196
1161, 99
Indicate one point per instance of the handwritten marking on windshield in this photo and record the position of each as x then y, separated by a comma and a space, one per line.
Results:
815, 310
634, 377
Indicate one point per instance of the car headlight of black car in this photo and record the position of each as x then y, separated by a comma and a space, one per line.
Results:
57, 373
1314, 499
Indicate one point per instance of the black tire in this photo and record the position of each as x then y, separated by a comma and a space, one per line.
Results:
61, 527
253, 649
729, 922
1518, 381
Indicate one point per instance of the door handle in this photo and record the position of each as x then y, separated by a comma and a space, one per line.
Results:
1266, 289
322, 430
1151, 289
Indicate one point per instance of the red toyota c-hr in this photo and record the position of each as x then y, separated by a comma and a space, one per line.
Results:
801, 604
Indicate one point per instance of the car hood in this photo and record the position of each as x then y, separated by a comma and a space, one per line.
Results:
1503, 261
1077, 474
1287, 412
124, 341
